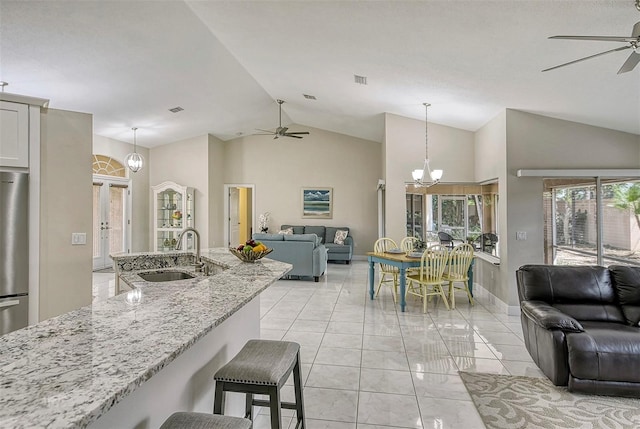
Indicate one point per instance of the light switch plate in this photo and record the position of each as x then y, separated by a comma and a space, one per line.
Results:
521, 235
78, 238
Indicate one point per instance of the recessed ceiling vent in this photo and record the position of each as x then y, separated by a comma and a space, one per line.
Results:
362, 80
309, 97
176, 109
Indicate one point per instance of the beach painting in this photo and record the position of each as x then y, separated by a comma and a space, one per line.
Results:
317, 203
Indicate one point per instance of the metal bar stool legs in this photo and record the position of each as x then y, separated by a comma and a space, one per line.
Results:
262, 367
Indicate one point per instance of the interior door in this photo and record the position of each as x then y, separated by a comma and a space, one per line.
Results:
110, 223
234, 218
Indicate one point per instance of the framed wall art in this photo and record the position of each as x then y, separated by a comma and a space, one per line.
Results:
317, 203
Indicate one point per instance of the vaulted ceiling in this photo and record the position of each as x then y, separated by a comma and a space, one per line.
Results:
225, 63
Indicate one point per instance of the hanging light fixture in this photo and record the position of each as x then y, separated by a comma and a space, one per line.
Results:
134, 160
434, 176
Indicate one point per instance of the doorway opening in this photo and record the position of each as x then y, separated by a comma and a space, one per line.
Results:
111, 210
239, 212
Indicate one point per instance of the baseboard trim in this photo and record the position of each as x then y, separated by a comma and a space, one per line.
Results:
488, 299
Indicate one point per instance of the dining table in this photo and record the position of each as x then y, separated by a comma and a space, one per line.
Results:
402, 261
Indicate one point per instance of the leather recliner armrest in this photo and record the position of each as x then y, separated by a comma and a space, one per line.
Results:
549, 317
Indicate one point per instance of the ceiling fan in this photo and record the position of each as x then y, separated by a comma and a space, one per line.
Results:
633, 43
281, 131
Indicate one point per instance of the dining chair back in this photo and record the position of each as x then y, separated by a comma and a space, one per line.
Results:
380, 246
408, 244
433, 263
457, 270
429, 279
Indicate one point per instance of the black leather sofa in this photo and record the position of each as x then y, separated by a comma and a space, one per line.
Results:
580, 326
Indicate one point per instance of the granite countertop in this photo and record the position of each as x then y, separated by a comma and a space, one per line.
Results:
67, 371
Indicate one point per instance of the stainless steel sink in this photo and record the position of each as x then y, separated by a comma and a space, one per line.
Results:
166, 276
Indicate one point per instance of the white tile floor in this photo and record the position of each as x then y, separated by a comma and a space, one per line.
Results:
367, 365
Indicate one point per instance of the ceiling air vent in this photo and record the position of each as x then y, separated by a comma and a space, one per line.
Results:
176, 109
309, 97
362, 80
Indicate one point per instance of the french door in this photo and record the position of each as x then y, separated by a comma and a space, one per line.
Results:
111, 225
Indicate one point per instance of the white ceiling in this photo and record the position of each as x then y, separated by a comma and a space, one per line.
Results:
225, 62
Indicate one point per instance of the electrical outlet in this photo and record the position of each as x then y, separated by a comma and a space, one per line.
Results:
521, 235
78, 238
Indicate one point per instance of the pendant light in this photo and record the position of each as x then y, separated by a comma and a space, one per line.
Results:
134, 160
434, 176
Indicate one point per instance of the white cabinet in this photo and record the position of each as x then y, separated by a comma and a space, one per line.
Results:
173, 211
14, 134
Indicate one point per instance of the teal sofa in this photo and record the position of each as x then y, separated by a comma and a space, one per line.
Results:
336, 252
304, 251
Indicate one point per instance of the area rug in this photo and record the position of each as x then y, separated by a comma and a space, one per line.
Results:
510, 402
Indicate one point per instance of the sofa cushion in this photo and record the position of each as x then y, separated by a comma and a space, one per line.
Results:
582, 292
337, 248
297, 229
302, 237
288, 231
317, 230
330, 233
605, 351
626, 281
260, 236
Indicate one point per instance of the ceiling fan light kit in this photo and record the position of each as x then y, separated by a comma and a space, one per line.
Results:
434, 176
282, 131
633, 43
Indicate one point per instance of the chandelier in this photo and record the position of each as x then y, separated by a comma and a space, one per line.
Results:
433, 176
134, 160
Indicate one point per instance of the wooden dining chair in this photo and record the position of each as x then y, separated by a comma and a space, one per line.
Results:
408, 244
460, 258
429, 280
382, 245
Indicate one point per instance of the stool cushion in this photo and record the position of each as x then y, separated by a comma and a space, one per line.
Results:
261, 362
184, 420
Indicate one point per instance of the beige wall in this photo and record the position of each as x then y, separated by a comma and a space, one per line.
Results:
535, 141
450, 149
491, 163
65, 207
186, 163
279, 168
217, 166
140, 188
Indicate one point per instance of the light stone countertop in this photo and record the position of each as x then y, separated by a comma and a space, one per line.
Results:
67, 371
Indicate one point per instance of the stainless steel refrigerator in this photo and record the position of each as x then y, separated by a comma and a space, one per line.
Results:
14, 251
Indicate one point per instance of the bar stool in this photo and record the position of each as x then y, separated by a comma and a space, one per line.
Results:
262, 367
183, 420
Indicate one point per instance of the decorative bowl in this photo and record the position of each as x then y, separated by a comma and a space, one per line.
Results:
250, 256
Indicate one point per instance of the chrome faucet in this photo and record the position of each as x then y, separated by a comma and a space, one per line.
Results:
198, 264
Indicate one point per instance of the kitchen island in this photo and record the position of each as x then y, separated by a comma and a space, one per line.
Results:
136, 358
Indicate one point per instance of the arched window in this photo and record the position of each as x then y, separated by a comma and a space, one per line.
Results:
107, 166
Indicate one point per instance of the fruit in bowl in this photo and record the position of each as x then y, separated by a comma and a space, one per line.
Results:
250, 251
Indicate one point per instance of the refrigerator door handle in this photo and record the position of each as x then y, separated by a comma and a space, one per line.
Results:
9, 303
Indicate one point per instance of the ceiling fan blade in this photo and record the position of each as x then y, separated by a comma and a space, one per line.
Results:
588, 58
597, 38
265, 131
631, 63
292, 136
299, 132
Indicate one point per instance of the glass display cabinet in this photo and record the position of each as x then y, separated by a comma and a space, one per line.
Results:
173, 211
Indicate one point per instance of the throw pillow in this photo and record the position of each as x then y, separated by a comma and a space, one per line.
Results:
287, 231
341, 234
